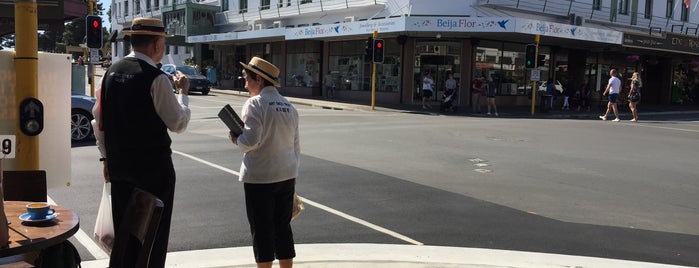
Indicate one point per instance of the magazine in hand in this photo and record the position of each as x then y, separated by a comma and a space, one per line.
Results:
231, 119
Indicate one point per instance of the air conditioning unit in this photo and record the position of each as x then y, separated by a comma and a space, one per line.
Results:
349, 19
258, 26
277, 24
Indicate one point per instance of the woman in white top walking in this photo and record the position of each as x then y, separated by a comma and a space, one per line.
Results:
427, 91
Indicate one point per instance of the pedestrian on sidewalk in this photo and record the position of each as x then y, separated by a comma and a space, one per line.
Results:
490, 89
427, 90
635, 95
613, 87
329, 85
476, 93
135, 109
585, 95
270, 145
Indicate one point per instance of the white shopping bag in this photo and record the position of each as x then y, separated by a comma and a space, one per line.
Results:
104, 226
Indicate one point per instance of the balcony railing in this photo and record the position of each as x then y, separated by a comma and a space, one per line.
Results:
286, 8
604, 15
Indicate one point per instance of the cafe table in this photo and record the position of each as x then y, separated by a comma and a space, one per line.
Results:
30, 236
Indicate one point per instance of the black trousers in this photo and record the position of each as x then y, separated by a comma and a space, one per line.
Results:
269, 208
159, 180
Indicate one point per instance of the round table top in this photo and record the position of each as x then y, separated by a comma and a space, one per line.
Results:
33, 236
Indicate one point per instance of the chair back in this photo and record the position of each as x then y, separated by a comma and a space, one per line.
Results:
136, 232
24, 185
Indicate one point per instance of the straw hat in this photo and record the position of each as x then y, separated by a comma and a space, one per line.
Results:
263, 68
147, 26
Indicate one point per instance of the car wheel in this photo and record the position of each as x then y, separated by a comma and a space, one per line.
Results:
205, 91
80, 125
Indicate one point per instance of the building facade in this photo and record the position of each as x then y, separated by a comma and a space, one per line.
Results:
313, 39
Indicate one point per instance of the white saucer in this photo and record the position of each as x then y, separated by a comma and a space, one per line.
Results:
25, 217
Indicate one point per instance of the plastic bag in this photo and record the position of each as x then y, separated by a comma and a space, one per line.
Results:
104, 226
298, 207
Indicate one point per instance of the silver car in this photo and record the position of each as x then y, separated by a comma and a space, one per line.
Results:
81, 117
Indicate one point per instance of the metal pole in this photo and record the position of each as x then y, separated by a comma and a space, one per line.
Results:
90, 66
26, 62
536, 64
373, 74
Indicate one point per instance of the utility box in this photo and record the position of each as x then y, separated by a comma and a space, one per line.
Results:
77, 82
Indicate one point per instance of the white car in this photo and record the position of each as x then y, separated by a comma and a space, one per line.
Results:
557, 85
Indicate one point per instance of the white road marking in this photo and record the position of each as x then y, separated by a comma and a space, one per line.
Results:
669, 128
317, 205
86, 240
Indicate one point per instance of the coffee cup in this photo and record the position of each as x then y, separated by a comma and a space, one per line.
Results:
39, 211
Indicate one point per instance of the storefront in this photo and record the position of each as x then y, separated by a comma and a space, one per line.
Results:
467, 47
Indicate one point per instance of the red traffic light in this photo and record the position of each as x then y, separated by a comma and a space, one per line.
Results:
379, 45
95, 24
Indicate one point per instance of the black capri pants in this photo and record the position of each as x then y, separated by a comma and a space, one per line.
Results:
269, 208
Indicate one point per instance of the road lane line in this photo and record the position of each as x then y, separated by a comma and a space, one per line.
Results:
86, 240
669, 128
318, 205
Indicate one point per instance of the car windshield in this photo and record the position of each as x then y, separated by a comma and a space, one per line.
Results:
187, 70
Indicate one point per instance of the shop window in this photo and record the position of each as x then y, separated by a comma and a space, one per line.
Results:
303, 64
264, 4
503, 64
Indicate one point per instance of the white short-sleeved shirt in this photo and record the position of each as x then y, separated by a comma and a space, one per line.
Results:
427, 83
615, 85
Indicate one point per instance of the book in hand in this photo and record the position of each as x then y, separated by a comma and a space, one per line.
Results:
231, 119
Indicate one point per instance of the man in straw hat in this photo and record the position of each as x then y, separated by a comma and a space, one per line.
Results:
135, 108
270, 145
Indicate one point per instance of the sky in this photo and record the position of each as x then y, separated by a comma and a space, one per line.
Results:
105, 19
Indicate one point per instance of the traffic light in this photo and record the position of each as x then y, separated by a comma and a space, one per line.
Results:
378, 51
93, 31
369, 49
530, 56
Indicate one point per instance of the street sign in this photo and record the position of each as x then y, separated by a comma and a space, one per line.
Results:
94, 55
7, 146
536, 75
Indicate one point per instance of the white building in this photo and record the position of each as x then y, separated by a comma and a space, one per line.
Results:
311, 39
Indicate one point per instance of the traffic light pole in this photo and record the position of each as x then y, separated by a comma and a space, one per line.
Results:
536, 65
373, 75
26, 63
90, 65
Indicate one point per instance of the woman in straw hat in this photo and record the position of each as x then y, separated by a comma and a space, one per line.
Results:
134, 111
270, 145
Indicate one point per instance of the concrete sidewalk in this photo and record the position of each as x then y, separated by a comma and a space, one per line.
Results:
504, 111
390, 256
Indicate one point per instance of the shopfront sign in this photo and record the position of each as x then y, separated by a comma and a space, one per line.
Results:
671, 42
347, 28
561, 30
460, 24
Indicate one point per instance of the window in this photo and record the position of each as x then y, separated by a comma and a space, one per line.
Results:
624, 7
302, 63
126, 9
596, 5
668, 12
147, 5
224, 5
306, 1
264, 4
137, 7
685, 12
243, 6
187, 50
649, 9
175, 49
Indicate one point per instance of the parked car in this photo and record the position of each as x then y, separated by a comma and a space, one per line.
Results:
81, 117
197, 81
